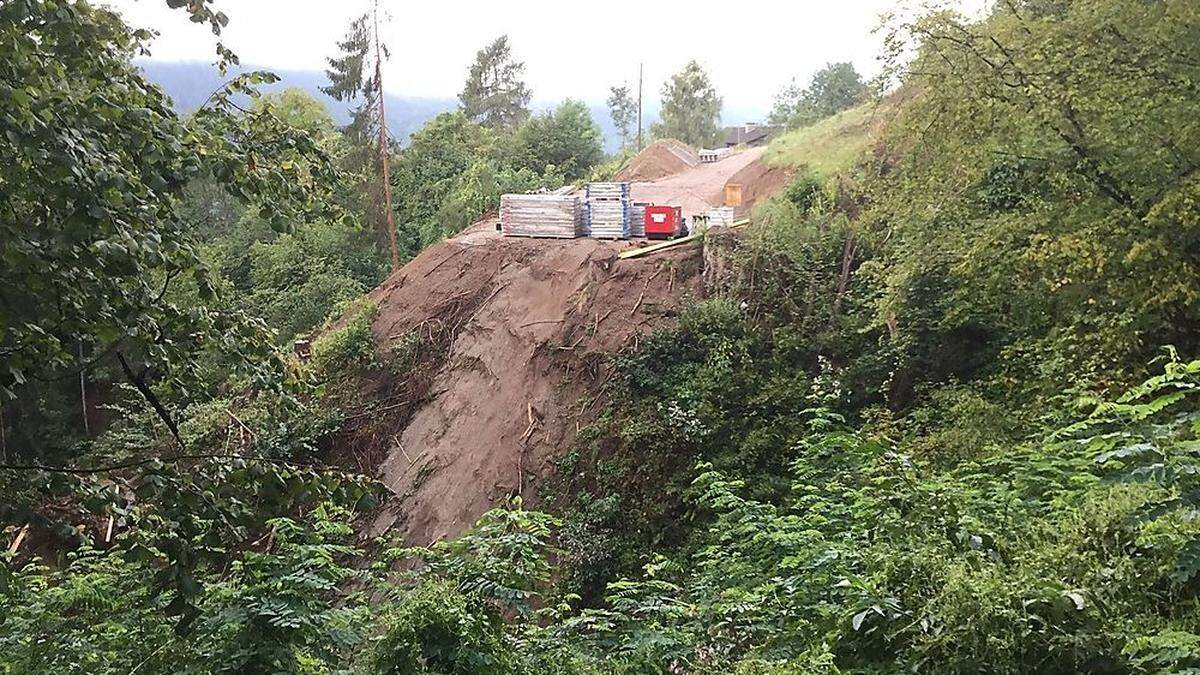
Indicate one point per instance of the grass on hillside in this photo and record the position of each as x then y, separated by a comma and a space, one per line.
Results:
828, 147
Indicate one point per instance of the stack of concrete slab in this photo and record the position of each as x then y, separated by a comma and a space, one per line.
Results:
556, 216
608, 191
608, 210
637, 219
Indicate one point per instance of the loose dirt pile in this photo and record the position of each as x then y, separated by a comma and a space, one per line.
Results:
659, 160
760, 181
504, 348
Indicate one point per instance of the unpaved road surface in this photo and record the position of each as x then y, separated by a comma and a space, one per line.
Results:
698, 189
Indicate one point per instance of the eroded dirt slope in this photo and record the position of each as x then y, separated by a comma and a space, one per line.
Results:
524, 330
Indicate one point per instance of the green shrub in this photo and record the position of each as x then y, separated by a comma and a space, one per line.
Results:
350, 348
435, 628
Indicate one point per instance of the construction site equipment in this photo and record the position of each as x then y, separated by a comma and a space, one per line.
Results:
664, 222
654, 248
720, 216
608, 210
556, 216
608, 219
607, 191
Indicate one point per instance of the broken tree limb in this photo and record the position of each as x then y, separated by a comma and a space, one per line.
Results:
112, 519
20, 538
637, 304
445, 260
140, 384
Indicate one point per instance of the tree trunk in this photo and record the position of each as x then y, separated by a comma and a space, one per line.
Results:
383, 148
83, 393
844, 278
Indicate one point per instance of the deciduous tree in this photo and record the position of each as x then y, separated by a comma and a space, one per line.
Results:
691, 108
623, 110
565, 140
832, 89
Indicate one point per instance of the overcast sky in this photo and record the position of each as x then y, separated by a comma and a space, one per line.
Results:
573, 50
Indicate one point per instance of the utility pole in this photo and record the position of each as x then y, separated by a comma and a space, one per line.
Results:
639, 107
383, 145
83, 392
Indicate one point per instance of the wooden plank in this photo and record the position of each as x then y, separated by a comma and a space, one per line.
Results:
654, 248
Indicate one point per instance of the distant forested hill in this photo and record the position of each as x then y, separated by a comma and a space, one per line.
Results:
190, 82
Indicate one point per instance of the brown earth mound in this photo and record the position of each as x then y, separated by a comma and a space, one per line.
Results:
513, 339
659, 160
759, 182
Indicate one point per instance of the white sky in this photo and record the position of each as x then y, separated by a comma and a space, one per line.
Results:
573, 50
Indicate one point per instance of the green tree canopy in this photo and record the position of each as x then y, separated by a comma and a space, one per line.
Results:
91, 237
1044, 203
566, 138
834, 88
691, 108
623, 110
495, 94
298, 109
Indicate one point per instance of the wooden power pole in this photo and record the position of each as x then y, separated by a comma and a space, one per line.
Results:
383, 145
639, 107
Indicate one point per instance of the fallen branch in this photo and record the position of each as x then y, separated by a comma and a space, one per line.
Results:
140, 384
445, 260
149, 460
376, 411
20, 538
637, 304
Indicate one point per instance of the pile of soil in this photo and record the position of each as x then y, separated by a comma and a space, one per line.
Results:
659, 160
760, 181
514, 339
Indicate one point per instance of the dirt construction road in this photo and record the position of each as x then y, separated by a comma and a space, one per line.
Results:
698, 189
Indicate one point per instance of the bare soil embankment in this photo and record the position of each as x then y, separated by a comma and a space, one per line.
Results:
524, 331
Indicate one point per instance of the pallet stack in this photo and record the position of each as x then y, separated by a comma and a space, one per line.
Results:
607, 191
557, 216
608, 210
721, 216
637, 220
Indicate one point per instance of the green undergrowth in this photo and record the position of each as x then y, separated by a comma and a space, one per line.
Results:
829, 146
349, 348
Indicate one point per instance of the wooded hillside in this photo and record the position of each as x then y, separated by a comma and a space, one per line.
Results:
938, 412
